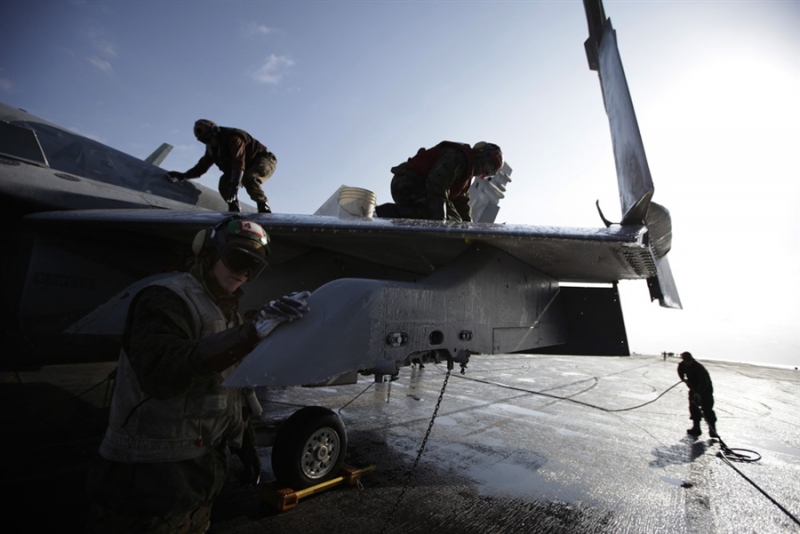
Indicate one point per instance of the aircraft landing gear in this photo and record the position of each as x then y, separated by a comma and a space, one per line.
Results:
309, 448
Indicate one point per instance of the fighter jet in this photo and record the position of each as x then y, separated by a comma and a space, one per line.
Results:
384, 291
482, 288
44, 168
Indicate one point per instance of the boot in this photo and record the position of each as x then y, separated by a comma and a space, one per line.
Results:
712, 431
234, 206
695, 430
263, 207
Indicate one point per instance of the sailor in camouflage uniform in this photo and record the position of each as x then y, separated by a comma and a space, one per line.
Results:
164, 457
434, 184
242, 159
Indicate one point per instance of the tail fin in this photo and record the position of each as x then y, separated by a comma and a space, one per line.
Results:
159, 154
633, 173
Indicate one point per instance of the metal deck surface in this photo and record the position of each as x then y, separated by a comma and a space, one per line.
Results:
500, 458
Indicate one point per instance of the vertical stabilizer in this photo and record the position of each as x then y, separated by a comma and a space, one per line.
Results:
633, 173
159, 154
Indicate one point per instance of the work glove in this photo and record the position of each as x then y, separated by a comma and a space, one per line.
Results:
176, 176
292, 306
287, 308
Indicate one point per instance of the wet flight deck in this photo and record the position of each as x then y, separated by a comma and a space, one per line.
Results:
521, 443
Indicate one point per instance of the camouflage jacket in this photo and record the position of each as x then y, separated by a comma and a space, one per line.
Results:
234, 150
447, 170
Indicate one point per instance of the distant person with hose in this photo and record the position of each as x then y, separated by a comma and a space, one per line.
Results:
242, 159
701, 394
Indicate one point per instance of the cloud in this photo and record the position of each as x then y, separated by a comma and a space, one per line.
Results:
101, 64
103, 50
254, 28
271, 71
101, 45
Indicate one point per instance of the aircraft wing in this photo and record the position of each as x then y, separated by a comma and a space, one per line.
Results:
498, 282
595, 255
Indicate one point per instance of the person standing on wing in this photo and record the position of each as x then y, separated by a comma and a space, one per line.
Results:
242, 159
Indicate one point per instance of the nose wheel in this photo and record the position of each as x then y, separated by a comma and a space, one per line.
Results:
309, 448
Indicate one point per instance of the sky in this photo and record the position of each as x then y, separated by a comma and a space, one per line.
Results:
341, 91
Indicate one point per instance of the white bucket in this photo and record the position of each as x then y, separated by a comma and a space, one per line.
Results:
355, 202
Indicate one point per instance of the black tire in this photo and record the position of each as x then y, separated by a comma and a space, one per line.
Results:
309, 448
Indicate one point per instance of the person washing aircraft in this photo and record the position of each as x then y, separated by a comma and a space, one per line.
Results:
241, 158
434, 184
701, 394
164, 457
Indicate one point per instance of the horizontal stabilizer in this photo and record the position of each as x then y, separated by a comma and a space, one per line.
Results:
662, 286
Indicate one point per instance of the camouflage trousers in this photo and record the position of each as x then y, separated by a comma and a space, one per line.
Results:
161, 497
254, 177
106, 521
412, 201
408, 189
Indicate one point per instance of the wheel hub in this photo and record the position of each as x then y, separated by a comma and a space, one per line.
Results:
320, 453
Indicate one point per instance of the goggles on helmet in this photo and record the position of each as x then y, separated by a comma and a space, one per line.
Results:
240, 260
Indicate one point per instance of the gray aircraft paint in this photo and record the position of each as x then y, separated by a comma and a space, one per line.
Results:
487, 302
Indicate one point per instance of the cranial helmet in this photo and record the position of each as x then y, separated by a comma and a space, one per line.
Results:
492, 151
241, 244
205, 130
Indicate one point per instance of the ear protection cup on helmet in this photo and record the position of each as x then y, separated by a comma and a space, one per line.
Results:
199, 241
204, 237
